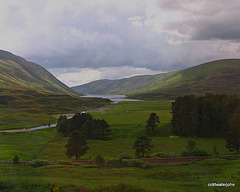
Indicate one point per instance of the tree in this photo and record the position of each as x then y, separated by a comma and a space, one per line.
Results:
142, 145
77, 121
103, 129
152, 124
62, 125
89, 129
233, 133
77, 145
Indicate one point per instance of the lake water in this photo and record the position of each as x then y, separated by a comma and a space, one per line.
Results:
113, 98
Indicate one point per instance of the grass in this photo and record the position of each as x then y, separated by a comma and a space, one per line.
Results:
29, 108
43, 144
190, 178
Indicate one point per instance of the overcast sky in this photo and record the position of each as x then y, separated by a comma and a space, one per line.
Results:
80, 41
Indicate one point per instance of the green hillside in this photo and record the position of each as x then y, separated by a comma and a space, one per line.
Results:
17, 73
222, 77
30, 95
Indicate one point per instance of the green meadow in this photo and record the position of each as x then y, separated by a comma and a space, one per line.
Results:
127, 120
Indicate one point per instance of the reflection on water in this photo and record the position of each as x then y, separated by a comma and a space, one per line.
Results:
113, 98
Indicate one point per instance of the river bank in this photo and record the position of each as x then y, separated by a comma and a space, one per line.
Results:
69, 116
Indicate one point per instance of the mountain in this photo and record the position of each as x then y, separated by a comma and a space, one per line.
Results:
218, 77
31, 96
17, 73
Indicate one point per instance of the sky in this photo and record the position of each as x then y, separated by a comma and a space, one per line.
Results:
80, 41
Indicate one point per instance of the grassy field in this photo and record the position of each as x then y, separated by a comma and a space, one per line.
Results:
43, 145
172, 178
127, 120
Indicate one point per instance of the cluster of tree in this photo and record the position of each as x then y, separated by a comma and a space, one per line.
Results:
85, 124
208, 115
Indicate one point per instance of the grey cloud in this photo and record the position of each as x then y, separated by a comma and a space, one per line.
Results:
97, 34
207, 20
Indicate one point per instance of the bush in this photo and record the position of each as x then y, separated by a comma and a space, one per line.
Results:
125, 163
38, 163
147, 165
64, 163
127, 188
185, 153
160, 155
114, 163
199, 152
16, 160
135, 163
119, 188
99, 160
125, 156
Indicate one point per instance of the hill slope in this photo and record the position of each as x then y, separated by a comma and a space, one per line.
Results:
30, 95
222, 77
17, 73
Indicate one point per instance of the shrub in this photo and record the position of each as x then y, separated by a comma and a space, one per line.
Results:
199, 152
16, 160
191, 145
125, 156
38, 163
64, 163
127, 188
114, 163
160, 154
185, 153
135, 163
125, 163
99, 160
147, 165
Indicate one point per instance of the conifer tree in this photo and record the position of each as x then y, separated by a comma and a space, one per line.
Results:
77, 145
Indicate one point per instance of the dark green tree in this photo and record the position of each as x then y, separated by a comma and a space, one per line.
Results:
184, 116
142, 145
77, 145
89, 129
103, 129
152, 124
77, 121
62, 125
233, 133
205, 116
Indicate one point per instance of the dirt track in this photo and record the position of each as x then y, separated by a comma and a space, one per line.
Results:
100, 109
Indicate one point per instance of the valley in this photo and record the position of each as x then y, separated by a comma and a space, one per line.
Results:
30, 96
127, 120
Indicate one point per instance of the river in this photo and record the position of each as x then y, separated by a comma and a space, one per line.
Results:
114, 98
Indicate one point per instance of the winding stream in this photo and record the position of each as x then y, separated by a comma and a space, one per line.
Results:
114, 98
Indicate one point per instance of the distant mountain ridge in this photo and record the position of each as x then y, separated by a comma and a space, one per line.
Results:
17, 73
218, 77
